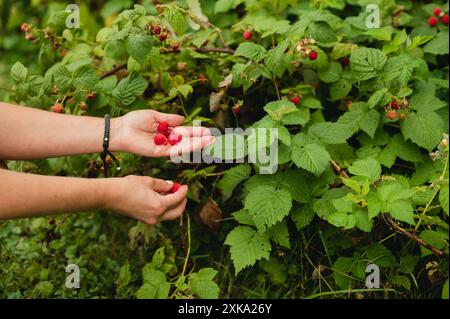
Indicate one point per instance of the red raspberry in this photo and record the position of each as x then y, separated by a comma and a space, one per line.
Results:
437, 12
175, 187
160, 139
173, 139
162, 37
432, 21
444, 19
312, 55
392, 115
156, 29
295, 99
57, 108
247, 35
236, 109
345, 61
24, 27
394, 105
91, 95
175, 46
163, 128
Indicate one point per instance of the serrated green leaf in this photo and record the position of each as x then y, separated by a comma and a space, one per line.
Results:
365, 63
425, 129
138, 47
247, 246
202, 283
368, 167
231, 178
251, 51
268, 205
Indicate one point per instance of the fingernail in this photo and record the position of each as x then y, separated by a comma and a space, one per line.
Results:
169, 182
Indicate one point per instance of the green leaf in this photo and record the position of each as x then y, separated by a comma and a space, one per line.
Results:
425, 101
155, 285
243, 217
158, 258
202, 283
302, 216
445, 290
311, 157
341, 219
252, 51
379, 255
277, 61
138, 47
19, 72
436, 239
362, 220
321, 32
268, 205
129, 88
331, 73
247, 246
330, 133
85, 78
231, 178
444, 197
62, 77
279, 233
361, 117
340, 89
365, 63
368, 167
439, 45
425, 129
278, 109
175, 17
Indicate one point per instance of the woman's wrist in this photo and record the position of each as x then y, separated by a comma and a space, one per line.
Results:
115, 135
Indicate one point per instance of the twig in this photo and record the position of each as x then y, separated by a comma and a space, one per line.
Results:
412, 236
114, 71
186, 259
202, 50
339, 169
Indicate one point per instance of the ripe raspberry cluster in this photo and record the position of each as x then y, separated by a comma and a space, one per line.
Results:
165, 135
434, 19
397, 109
306, 48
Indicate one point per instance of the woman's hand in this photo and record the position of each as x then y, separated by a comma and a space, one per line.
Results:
135, 131
146, 199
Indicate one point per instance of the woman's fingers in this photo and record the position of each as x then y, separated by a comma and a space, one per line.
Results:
174, 213
173, 199
191, 131
161, 186
171, 119
190, 145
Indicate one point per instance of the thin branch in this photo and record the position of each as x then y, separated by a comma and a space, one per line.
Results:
114, 71
412, 236
202, 50
339, 169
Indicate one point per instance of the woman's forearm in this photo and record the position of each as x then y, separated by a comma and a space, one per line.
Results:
27, 133
27, 195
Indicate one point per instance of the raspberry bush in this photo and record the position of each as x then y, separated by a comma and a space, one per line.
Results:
362, 119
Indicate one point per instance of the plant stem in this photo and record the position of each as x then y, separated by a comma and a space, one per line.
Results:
188, 222
326, 293
276, 87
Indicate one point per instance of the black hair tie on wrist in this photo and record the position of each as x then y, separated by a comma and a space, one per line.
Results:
106, 152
